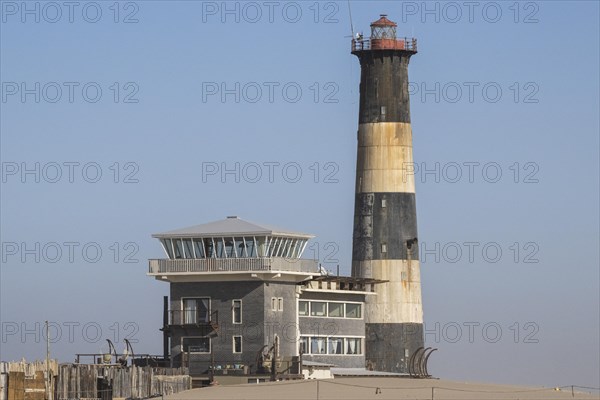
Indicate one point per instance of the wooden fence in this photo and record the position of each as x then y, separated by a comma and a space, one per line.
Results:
21, 380
27, 381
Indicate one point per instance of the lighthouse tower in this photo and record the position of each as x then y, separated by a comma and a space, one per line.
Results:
385, 218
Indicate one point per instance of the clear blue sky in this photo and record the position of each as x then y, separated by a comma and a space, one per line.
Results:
169, 124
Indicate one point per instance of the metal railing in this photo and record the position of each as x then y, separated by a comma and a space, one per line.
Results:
193, 317
217, 367
166, 266
409, 44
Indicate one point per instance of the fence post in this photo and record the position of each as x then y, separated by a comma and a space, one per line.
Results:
432, 388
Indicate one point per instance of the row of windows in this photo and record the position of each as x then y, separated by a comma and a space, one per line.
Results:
234, 247
330, 345
197, 310
314, 345
329, 309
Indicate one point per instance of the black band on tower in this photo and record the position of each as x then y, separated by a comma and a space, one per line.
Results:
384, 86
385, 226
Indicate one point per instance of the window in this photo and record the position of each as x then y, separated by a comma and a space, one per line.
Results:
209, 245
178, 247
303, 308
353, 346
196, 344
240, 244
196, 311
329, 309
237, 311
335, 346
167, 246
317, 345
336, 309
189, 251
341, 346
276, 303
220, 244
353, 310
303, 345
229, 248
199, 247
237, 344
318, 309
261, 247
383, 248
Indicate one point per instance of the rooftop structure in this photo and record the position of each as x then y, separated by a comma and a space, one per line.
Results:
232, 245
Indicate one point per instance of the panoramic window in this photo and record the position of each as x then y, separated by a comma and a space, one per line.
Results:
229, 248
167, 246
189, 251
198, 246
178, 248
220, 245
261, 243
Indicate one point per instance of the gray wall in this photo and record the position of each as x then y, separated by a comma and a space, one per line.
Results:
283, 323
259, 322
334, 327
221, 294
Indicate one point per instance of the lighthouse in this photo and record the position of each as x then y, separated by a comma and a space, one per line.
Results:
385, 239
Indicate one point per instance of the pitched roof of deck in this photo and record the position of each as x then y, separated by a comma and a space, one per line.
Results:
230, 226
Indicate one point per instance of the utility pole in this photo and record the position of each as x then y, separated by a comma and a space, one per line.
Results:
48, 381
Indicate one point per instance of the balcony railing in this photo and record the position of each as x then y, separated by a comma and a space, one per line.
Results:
194, 317
194, 266
409, 44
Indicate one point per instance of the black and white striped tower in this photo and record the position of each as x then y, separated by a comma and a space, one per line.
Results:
385, 218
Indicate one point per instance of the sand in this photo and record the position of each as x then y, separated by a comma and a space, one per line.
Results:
366, 388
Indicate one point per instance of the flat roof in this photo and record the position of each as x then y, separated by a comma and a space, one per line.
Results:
230, 226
